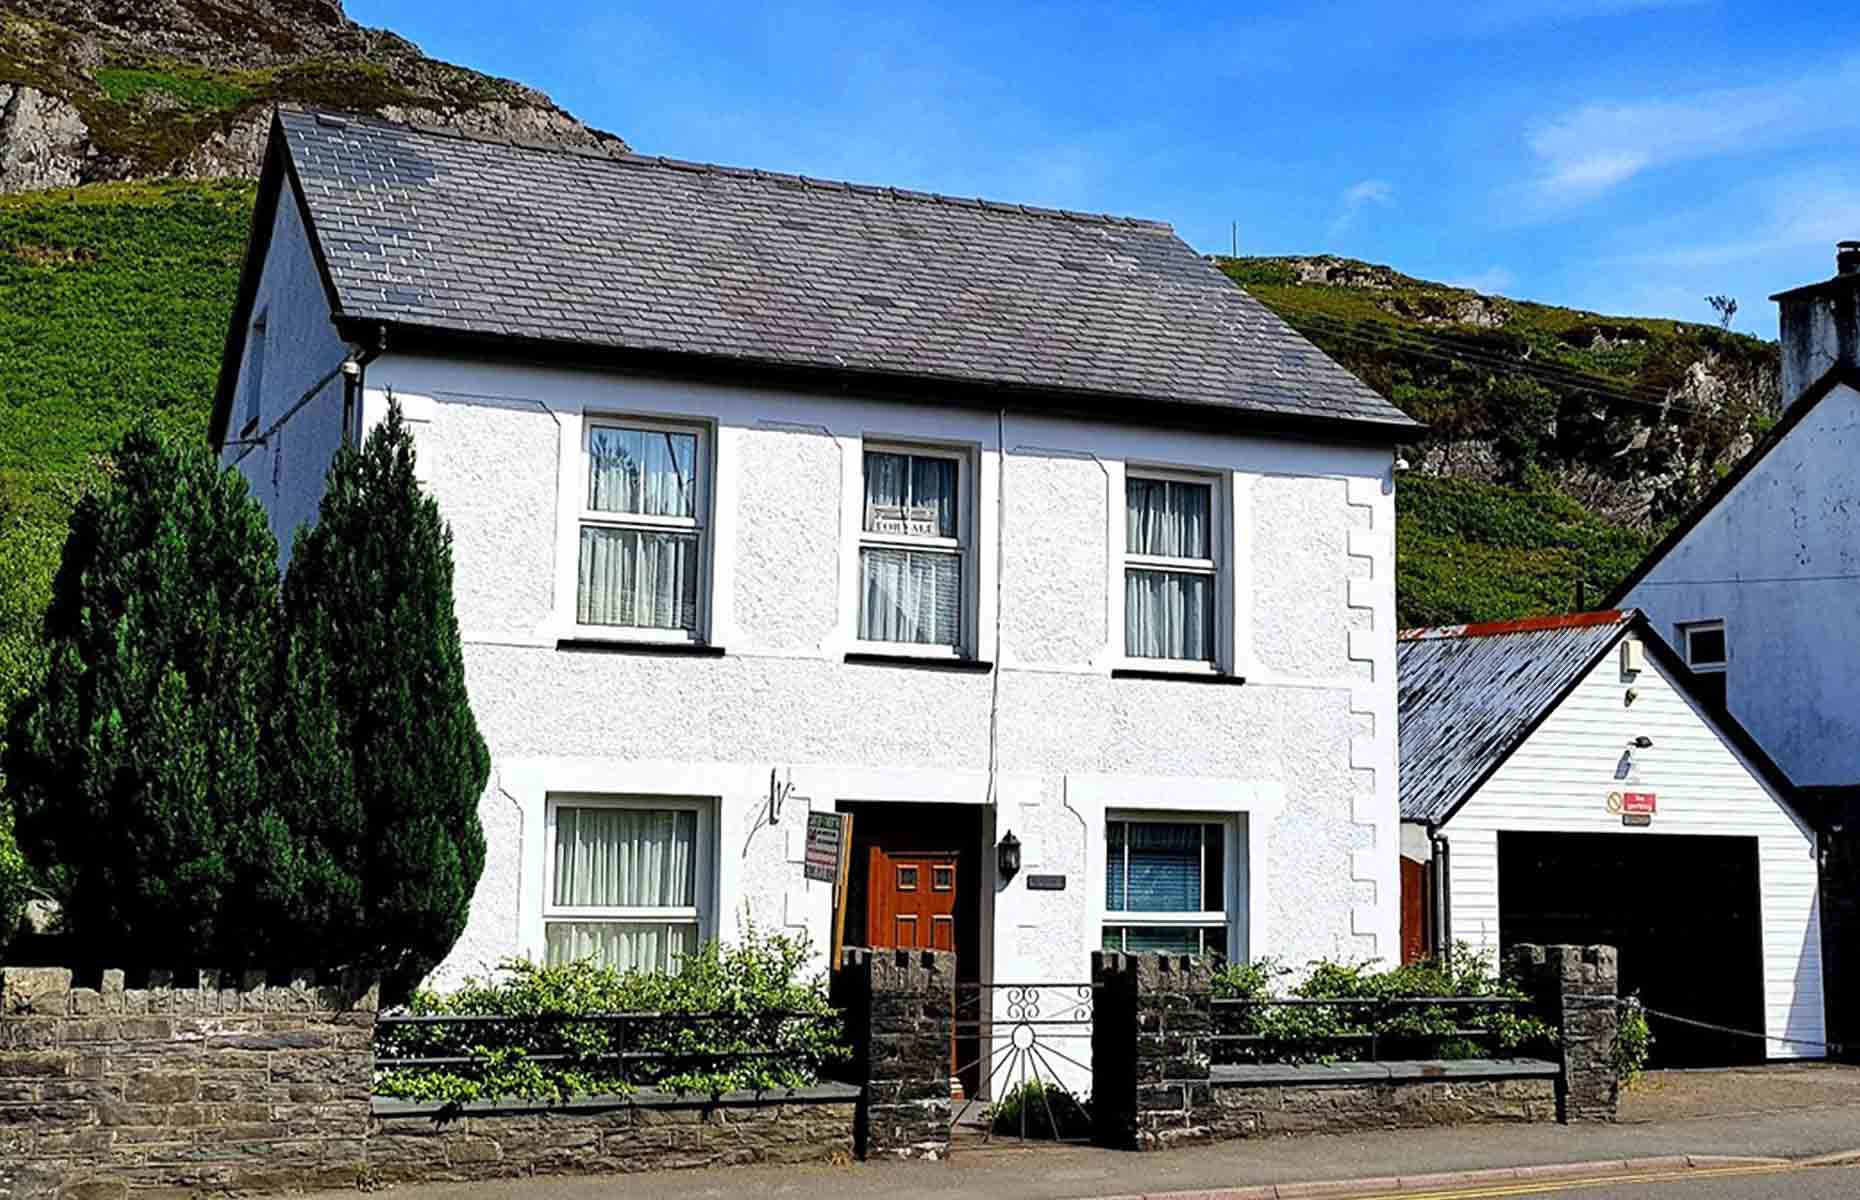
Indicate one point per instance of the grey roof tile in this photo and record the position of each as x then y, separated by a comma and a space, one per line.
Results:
469, 236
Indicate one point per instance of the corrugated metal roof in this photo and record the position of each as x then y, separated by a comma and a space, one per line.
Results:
1468, 695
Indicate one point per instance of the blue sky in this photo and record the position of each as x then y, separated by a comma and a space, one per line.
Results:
1628, 156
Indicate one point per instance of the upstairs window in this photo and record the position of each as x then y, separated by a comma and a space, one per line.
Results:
1166, 886
642, 527
255, 373
1708, 654
911, 549
1170, 569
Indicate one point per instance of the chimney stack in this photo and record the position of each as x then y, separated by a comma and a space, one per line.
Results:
1821, 325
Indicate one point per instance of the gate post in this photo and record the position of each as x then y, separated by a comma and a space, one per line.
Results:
900, 1011
1576, 988
1150, 1067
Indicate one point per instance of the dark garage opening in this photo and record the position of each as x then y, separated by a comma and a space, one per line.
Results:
1684, 912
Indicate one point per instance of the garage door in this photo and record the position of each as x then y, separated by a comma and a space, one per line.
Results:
1684, 912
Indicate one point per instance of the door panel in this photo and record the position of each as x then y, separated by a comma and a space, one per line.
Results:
911, 904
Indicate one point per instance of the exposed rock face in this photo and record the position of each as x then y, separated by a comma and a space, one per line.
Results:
43, 140
125, 89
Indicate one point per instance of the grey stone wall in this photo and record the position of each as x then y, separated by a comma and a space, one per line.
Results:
213, 1084
411, 1143
900, 1008
1150, 1064
1353, 1097
1577, 988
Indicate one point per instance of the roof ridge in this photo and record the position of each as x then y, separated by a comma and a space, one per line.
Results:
1426, 633
634, 159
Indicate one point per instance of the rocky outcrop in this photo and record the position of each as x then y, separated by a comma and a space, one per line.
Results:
125, 89
43, 140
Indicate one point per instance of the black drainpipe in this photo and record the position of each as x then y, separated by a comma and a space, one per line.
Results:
354, 380
1442, 871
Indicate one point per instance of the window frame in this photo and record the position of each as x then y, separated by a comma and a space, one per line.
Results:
1216, 568
962, 547
700, 523
1715, 625
255, 371
700, 914
1234, 903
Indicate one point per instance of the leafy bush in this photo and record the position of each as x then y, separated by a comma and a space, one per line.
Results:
1305, 1032
1633, 1040
374, 754
773, 1029
1036, 1109
15, 879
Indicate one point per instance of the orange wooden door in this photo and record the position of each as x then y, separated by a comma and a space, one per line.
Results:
911, 901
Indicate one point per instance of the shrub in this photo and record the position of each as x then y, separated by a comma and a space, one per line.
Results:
375, 751
15, 879
1633, 1041
1036, 1109
775, 1029
1312, 1033
132, 755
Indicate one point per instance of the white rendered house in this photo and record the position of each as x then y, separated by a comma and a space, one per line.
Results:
771, 496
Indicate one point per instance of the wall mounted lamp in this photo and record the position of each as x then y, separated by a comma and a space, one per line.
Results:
1007, 856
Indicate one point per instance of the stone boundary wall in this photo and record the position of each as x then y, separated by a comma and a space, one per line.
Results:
1155, 1085
1577, 989
1355, 1097
648, 1131
204, 1084
900, 1009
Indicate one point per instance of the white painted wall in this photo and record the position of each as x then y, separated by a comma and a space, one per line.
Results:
1302, 758
1304, 753
1559, 780
1779, 560
301, 349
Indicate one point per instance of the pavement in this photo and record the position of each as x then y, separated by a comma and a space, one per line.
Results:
1656, 1150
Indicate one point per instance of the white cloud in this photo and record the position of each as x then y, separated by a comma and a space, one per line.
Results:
1491, 281
1793, 213
1596, 147
1358, 196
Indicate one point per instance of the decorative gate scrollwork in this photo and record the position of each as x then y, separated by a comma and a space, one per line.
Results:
1022, 1062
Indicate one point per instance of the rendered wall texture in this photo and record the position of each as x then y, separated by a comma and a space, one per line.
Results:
1308, 621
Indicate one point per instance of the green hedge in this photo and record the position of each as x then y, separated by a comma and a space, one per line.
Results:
774, 1030
1300, 1032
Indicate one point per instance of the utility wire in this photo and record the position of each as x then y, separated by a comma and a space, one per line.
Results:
1375, 335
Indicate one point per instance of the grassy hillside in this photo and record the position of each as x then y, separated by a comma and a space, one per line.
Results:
1470, 551
114, 300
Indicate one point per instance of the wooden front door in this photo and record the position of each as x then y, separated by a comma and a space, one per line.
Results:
911, 900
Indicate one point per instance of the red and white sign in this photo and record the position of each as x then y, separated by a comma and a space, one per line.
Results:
1633, 803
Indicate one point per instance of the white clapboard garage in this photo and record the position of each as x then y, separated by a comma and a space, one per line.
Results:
1566, 779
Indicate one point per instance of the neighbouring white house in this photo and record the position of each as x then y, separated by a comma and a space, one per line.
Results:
1564, 780
773, 496
1758, 590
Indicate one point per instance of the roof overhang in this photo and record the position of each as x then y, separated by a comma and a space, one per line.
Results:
401, 337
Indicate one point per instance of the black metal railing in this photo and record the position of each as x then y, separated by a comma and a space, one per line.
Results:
683, 1051
1368, 1028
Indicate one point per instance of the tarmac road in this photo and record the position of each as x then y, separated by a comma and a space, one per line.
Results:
1796, 1183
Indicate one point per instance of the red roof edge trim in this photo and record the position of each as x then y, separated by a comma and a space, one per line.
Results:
1612, 616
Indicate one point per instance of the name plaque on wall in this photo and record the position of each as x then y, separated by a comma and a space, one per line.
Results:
1046, 883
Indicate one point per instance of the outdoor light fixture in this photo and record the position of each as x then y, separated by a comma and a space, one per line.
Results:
1007, 856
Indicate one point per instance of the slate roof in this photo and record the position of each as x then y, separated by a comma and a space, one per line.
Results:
432, 229
1468, 695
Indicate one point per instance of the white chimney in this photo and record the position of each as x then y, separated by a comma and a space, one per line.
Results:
1821, 324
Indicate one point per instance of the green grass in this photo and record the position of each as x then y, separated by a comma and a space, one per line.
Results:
195, 87
114, 300
1467, 551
